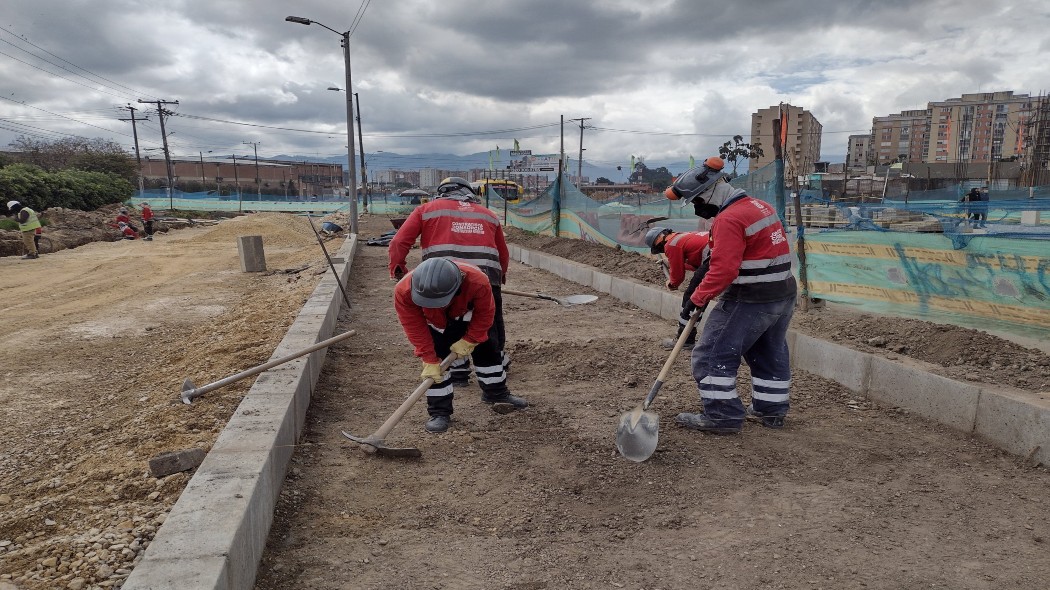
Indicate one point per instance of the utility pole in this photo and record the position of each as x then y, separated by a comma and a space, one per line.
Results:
167, 155
258, 181
579, 169
135, 134
237, 181
361, 142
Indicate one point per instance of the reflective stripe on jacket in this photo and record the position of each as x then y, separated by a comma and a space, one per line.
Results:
457, 229
473, 303
750, 254
685, 251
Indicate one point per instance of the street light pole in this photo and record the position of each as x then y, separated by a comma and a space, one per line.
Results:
360, 140
349, 116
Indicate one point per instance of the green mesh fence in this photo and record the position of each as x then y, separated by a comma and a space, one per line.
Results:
915, 254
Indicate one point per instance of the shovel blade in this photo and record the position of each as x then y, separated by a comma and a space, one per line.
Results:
375, 446
578, 299
638, 434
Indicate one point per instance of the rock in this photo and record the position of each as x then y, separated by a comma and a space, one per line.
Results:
77, 584
877, 341
173, 462
5, 499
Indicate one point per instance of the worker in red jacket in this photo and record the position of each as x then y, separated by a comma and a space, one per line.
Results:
126, 231
123, 217
750, 272
456, 226
444, 307
147, 220
684, 251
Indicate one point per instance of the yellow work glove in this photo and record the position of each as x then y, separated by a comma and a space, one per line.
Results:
432, 371
462, 348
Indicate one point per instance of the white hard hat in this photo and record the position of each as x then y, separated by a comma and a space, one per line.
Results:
12, 204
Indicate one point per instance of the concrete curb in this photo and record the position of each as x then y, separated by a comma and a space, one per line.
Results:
215, 535
1013, 420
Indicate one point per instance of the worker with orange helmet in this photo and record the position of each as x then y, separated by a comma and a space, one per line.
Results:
750, 274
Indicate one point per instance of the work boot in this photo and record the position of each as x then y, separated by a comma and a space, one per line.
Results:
507, 398
437, 424
763, 419
30, 256
690, 341
704, 424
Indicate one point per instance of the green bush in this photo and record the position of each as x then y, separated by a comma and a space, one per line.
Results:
73, 189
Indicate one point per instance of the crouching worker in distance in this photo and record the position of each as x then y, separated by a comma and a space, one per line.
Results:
444, 307
684, 251
750, 273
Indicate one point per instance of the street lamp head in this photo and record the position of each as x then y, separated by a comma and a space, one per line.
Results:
298, 19
336, 88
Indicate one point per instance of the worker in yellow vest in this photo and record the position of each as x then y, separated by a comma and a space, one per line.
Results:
28, 223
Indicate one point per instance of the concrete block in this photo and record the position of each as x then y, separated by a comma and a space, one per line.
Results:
909, 386
540, 261
670, 305
601, 281
621, 289
1029, 217
1015, 421
647, 298
557, 266
166, 464
579, 273
829, 360
250, 249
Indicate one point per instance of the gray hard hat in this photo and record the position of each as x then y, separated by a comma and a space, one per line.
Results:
453, 183
696, 181
435, 282
652, 239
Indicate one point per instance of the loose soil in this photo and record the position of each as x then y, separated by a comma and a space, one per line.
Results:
848, 495
97, 340
95, 343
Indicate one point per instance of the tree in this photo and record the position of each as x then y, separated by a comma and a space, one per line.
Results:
603, 180
77, 153
736, 150
659, 177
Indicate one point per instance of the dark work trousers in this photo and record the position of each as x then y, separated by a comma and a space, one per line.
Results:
497, 334
758, 333
687, 304
487, 365
149, 227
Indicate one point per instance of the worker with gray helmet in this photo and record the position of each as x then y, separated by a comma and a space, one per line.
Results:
457, 226
683, 251
750, 273
444, 307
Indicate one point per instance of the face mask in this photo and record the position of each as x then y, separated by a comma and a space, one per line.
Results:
704, 209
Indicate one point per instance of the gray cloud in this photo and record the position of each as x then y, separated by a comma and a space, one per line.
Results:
693, 69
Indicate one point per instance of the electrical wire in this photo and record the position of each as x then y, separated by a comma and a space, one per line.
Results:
63, 116
358, 17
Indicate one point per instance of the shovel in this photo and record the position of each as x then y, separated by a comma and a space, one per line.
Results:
565, 301
639, 429
190, 392
375, 443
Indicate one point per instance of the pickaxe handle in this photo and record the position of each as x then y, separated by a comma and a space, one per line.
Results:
399, 413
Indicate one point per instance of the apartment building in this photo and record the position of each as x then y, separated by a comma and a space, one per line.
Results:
981, 127
857, 152
803, 137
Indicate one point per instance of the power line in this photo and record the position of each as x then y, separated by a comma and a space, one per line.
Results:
63, 116
358, 17
26, 41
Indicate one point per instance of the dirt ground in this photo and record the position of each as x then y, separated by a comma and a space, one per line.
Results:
97, 340
848, 495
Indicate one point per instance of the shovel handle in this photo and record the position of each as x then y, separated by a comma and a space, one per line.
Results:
671, 358
533, 295
410, 401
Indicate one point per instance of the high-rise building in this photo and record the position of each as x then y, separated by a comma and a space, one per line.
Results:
903, 137
802, 149
857, 151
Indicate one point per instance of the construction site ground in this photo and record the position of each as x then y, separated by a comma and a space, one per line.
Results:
97, 340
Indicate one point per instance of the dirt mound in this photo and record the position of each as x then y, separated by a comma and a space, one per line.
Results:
964, 353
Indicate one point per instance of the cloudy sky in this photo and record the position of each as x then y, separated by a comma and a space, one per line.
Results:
661, 79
